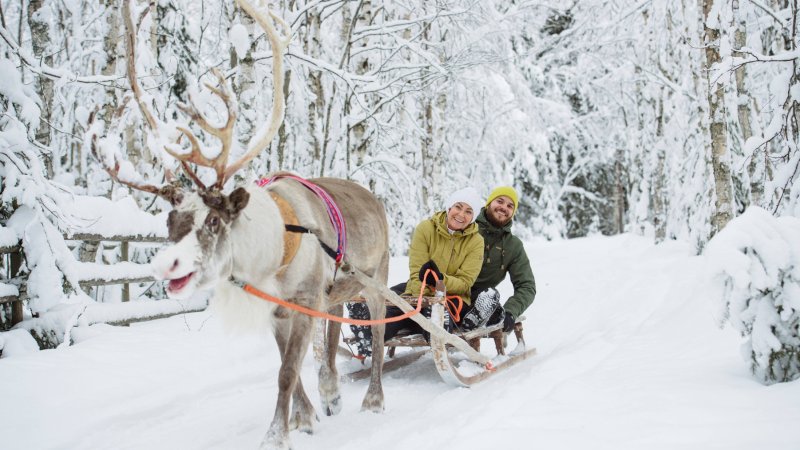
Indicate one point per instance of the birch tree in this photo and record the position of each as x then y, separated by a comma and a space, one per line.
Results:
720, 154
39, 20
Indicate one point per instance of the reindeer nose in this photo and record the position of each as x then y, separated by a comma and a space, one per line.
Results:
164, 265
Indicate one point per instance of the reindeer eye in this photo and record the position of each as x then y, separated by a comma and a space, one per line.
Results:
212, 223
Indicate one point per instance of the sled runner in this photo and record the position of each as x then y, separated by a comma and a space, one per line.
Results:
457, 355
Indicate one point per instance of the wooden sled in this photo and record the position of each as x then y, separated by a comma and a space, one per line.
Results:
471, 368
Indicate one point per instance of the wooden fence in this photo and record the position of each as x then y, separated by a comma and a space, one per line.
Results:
101, 274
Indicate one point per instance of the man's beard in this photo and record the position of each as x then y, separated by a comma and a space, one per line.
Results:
494, 221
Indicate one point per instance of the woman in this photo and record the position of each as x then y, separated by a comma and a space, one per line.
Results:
449, 244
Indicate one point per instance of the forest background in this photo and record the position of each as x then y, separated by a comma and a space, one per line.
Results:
660, 118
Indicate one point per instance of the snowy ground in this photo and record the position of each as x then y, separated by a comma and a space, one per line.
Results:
629, 358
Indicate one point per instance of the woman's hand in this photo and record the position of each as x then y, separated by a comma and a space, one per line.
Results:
430, 280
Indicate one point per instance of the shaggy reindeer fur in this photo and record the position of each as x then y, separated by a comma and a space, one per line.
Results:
242, 235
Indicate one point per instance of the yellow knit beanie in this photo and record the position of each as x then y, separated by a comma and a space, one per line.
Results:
509, 192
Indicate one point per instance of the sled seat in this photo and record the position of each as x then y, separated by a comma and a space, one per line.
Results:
495, 332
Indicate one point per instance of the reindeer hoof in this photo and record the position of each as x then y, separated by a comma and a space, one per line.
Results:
304, 424
275, 441
333, 406
375, 406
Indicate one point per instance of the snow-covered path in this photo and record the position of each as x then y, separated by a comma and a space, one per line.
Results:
629, 358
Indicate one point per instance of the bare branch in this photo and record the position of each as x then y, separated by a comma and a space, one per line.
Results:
114, 173
771, 13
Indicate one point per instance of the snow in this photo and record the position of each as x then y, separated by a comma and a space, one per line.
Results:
8, 237
629, 357
17, 342
12, 88
7, 290
240, 40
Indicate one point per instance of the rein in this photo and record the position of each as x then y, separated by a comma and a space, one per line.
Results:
250, 289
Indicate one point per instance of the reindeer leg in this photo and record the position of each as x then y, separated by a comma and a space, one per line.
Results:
293, 349
329, 394
373, 400
303, 414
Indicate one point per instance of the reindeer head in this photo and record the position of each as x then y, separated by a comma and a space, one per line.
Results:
200, 223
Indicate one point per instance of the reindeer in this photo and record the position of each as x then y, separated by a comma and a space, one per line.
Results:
250, 236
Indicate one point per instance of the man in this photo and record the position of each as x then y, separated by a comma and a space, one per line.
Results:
503, 254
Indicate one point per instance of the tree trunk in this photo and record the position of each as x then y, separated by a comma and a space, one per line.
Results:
658, 196
430, 151
720, 154
316, 104
743, 108
619, 192
40, 41
245, 86
361, 63
429, 160
112, 51
282, 136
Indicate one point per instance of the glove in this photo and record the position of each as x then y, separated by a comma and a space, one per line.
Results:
508, 322
430, 281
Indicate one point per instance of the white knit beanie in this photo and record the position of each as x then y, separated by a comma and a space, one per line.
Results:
469, 196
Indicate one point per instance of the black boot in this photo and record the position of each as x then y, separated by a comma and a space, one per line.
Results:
362, 333
484, 307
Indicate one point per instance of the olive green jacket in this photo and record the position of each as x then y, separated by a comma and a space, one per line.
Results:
504, 254
458, 256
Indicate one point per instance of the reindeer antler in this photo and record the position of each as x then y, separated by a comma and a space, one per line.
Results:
261, 139
224, 133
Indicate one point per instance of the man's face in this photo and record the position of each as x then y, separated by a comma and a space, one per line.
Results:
500, 211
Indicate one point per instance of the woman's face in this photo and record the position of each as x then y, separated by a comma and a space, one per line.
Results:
459, 216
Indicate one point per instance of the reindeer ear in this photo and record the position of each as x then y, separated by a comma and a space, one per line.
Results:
173, 194
237, 201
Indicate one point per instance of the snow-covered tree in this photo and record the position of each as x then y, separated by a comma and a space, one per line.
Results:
755, 265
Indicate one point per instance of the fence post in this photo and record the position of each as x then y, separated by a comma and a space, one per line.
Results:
126, 288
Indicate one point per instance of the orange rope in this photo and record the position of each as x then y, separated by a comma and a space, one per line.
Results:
314, 313
455, 310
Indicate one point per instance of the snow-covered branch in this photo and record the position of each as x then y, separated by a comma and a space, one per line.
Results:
51, 72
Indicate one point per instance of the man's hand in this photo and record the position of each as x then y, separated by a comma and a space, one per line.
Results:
430, 280
508, 322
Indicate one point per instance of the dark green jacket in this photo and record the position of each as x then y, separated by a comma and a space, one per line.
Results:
503, 253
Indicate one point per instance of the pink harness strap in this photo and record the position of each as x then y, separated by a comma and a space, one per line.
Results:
334, 214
